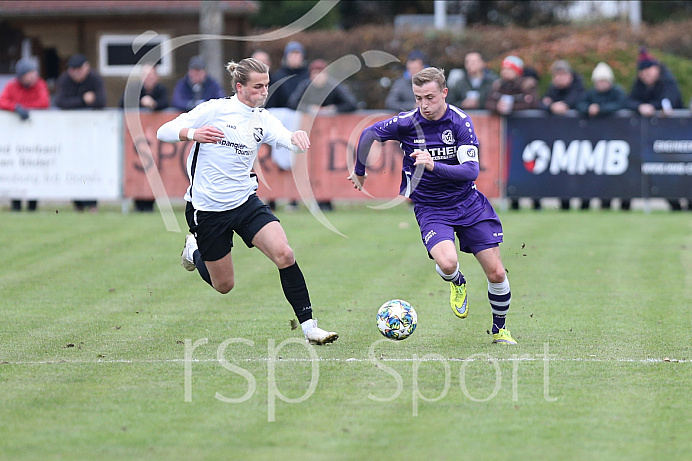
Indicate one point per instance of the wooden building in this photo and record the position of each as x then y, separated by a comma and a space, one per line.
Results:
105, 31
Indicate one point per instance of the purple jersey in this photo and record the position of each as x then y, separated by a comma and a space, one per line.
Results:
450, 182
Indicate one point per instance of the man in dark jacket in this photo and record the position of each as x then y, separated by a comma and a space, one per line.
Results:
562, 95
564, 91
282, 84
197, 86
654, 89
79, 87
284, 81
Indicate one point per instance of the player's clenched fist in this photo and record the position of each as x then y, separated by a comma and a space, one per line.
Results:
423, 157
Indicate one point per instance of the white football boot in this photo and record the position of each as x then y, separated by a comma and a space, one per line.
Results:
316, 335
186, 257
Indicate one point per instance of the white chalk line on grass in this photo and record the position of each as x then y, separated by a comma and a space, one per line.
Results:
352, 360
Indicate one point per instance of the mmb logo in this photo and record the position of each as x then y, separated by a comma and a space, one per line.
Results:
609, 157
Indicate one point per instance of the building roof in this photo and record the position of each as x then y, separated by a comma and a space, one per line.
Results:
70, 8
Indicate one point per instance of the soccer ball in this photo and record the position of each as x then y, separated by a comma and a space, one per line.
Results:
396, 319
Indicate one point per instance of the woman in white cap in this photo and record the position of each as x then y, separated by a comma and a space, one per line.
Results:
606, 97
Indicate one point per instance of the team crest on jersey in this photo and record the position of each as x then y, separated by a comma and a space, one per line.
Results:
447, 137
257, 134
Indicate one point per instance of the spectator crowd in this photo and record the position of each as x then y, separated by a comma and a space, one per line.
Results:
305, 86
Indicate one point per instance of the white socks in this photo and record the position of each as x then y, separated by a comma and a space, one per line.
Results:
450, 277
308, 325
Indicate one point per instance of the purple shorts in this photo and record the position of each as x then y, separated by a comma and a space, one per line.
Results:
474, 222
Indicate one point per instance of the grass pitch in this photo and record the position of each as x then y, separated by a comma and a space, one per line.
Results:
110, 350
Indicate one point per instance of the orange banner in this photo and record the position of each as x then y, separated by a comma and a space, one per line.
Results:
168, 158
321, 172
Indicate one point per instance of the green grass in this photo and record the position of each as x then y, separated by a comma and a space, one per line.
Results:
96, 312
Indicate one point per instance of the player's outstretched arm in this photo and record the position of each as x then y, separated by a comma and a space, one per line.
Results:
175, 131
357, 180
206, 134
367, 138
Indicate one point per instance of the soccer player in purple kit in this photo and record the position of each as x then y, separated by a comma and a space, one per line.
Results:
439, 166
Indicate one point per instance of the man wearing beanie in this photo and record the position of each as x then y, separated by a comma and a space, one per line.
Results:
512, 91
654, 91
293, 71
655, 88
27, 91
282, 84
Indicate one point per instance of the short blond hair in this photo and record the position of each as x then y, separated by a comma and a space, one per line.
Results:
430, 74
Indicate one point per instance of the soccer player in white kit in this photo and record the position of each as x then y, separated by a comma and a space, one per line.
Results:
221, 196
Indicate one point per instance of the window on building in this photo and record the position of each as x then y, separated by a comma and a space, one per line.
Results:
117, 56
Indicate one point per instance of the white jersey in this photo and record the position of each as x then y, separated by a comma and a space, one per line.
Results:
222, 173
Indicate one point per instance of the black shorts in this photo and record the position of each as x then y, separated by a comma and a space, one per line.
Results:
214, 229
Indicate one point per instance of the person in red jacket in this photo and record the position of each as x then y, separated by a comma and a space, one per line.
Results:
27, 91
